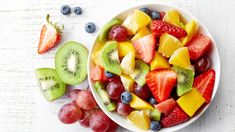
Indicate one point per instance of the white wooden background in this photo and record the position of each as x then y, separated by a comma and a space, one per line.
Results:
22, 107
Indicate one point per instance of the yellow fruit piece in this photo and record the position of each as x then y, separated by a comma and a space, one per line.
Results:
159, 62
168, 44
138, 103
127, 82
173, 17
191, 29
124, 48
128, 63
181, 58
144, 31
96, 57
191, 102
139, 119
136, 21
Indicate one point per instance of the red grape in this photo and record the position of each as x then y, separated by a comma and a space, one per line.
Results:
84, 121
115, 89
112, 126
202, 65
73, 94
85, 100
69, 113
99, 122
118, 33
142, 92
123, 109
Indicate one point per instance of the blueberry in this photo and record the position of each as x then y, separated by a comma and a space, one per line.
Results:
152, 101
109, 74
155, 126
90, 27
126, 97
65, 10
145, 10
155, 15
77, 10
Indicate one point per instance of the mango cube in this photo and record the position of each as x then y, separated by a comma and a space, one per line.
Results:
141, 33
124, 48
191, 102
159, 62
138, 103
127, 82
191, 29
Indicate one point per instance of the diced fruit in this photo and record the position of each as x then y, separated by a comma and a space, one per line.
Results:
96, 58
155, 126
128, 63
127, 82
141, 69
159, 62
161, 82
126, 97
152, 101
108, 74
123, 109
142, 92
168, 44
185, 79
202, 64
173, 17
141, 33
145, 47
104, 96
198, 46
204, 83
73, 94
118, 33
97, 74
139, 119
166, 106
191, 102
177, 116
50, 84
181, 58
85, 100
106, 28
155, 115
162, 14
115, 89
159, 27
109, 58
136, 21
90, 27
124, 48
99, 122
191, 29
138, 103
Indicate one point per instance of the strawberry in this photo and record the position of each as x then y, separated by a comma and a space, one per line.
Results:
50, 36
162, 14
145, 47
198, 46
97, 74
166, 106
176, 117
161, 82
204, 83
159, 27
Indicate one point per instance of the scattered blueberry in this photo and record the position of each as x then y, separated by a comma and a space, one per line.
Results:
146, 10
77, 10
126, 97
152, 101
109, 74
65, 10
155, 15
90, 27
155, 126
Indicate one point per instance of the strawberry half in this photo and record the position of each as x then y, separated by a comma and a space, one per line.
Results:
161, 82
50, 36
204, 83
166, 106
159, 27
176, 117
198, 46
145, 47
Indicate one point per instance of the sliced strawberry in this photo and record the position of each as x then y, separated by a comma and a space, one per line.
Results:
145, 47
198, 46
97, 74
166, 106
161, 82
50, 36
204, 83
159, 27
176, 117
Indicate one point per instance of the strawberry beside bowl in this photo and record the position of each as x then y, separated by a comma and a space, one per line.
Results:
124, 122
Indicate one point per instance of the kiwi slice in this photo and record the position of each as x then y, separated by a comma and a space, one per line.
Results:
104, 96
109, 58
155, 114
105, 29
71, 62
140, 71
185, 78
50, 84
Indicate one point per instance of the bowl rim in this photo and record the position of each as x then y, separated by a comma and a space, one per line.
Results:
218, 71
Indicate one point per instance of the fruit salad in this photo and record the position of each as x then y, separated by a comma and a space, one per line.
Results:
153, 68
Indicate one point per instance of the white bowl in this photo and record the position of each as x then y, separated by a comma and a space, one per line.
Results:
213, 54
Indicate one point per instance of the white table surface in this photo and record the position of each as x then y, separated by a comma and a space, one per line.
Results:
22, 107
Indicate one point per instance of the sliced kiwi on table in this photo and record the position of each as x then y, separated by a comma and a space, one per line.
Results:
140, 71
50, 84
109, 58
185, 78
71, 63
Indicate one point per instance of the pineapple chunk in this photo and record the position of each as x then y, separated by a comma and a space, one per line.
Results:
124, 48
128, 63
138, 103
159, 62
181, 58
173, 17
191, 29
139, 119
127, 82
144, 31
